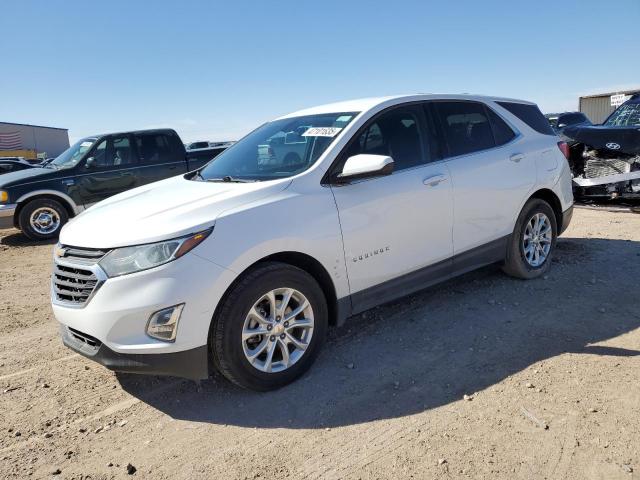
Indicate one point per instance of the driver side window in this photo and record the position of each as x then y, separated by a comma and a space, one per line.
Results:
113, 152
397, 134
99, 154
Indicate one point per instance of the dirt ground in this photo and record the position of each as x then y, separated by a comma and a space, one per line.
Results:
482, 377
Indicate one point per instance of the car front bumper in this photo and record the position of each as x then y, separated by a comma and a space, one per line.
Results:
7, 211
192, 363
111, 327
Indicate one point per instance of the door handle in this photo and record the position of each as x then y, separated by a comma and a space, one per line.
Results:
434, 180
516, 157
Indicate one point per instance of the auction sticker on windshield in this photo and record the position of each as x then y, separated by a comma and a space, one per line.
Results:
322, 132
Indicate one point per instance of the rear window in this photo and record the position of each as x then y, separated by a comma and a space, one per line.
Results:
531, 115
466, 127
501, 131
154, 148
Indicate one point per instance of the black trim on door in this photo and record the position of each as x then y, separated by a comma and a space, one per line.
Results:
492, 252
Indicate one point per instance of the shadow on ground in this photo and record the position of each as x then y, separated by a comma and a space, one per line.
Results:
431, 348
16, 238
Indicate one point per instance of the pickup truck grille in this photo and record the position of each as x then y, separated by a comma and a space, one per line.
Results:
74, 278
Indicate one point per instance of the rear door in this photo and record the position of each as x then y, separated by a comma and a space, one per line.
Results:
110, 168
161, 156
490, 170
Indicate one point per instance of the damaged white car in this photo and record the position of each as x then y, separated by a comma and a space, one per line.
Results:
605, 159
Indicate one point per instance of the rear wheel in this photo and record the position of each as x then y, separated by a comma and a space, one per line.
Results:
533, 241
42, 219
270, 327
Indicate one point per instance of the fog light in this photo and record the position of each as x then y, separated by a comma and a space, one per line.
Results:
163, 324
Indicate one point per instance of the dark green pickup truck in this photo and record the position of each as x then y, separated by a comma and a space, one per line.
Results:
39, 201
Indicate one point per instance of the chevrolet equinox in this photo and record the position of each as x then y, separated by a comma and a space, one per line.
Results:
311, 218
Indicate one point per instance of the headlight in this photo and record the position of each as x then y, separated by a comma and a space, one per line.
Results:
122, 261
4, 196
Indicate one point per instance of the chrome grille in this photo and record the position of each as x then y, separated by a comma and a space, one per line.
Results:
76, 275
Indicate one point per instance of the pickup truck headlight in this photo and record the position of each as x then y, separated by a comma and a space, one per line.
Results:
4, 196
122, 261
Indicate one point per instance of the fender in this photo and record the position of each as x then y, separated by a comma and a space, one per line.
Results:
54, 193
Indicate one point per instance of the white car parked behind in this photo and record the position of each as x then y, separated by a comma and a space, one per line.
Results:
245, 263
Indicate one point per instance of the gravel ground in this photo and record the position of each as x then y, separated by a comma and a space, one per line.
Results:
482, 377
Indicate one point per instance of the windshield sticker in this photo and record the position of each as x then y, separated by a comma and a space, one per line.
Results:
322, 132
344, 118
86, 144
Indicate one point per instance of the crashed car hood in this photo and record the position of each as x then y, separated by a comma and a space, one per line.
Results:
160, 211
612, 139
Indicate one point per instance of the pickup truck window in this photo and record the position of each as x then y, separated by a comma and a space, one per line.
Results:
278, 149
112, 152
72, 155
154, 148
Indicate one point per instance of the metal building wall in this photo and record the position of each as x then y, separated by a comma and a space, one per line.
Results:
52, 141
597, 109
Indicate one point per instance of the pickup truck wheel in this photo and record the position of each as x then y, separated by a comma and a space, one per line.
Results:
42, 219
270, 327
533, 241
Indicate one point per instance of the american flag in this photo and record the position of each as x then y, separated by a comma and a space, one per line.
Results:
10, 141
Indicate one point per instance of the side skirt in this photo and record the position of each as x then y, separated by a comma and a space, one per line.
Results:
492, 252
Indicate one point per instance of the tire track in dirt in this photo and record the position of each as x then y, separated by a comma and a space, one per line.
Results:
39, 367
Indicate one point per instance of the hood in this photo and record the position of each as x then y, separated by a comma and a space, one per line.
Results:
27, 175
160, 211
612, 139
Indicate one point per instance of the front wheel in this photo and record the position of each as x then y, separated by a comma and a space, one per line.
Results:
533, 241
42, 219
270, 327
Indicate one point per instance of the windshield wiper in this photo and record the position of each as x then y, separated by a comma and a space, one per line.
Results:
230, 179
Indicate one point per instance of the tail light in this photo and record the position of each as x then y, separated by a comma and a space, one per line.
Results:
564, 148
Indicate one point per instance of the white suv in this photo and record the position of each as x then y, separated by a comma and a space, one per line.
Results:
244, 264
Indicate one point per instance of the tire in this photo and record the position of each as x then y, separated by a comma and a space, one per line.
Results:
518, 262
38, 229
231, 352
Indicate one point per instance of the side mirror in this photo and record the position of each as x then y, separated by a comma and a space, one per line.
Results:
365, 166
90, 163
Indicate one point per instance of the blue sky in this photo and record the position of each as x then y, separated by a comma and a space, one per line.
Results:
214, 70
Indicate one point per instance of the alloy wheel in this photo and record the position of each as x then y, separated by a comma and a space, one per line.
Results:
537, 238
277, 330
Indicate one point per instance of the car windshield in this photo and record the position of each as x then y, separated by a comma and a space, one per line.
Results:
72, 155
628, 115
277, 149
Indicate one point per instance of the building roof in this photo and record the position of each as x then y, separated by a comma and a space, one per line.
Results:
35, 126
617, 92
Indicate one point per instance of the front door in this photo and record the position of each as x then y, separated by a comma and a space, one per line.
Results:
109, 169
397, 228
